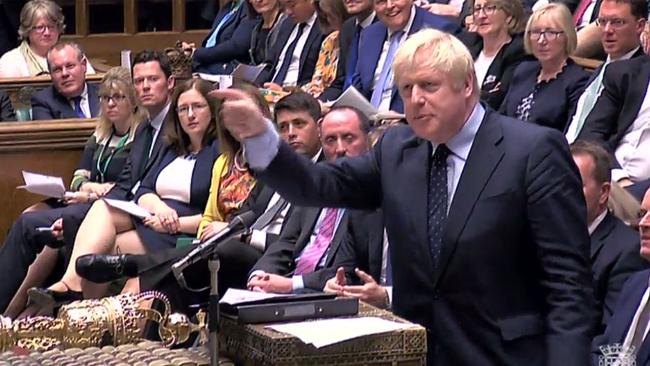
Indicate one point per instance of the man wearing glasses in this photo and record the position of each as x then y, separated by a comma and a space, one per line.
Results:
621, 23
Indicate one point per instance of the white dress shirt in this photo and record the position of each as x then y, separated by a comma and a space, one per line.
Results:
632, 152
291, 79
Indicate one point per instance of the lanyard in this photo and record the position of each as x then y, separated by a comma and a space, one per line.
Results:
120, 145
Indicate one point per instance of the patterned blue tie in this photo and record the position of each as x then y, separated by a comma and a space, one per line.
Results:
282, 73
352, 57
437, 202
386, 73
77, 107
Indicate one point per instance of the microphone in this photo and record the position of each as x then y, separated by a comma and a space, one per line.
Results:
237, 225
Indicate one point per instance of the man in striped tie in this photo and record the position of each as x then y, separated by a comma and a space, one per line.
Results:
302, 257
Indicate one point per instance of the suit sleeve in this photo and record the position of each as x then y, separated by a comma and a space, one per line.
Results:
600, 123
278, 258
7, 112
235, 48
349, 182
557, 224
40, 109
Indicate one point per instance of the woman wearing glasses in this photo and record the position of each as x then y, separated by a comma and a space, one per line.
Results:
546, 91
174, 191
497, 46
41, 25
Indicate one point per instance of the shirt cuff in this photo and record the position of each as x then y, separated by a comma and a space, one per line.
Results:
389, 291
255, 273
260, 150
618, 174
297, 283
258, 240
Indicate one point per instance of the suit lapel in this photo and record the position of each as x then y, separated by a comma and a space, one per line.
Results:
308, 223
375, 244
339, 234
636, 93
416, 153
314, 35
158, 144
63, 105
600, 234
93, 100
485, 155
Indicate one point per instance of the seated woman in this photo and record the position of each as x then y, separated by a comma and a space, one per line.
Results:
547, 90
102, 161
41, 25
497, 46
331, 15
175, 191
265, 32
227, 43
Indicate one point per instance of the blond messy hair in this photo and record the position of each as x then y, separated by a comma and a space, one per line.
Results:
439, 52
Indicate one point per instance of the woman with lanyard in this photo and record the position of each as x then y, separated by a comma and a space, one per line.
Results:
174, 192
102, 161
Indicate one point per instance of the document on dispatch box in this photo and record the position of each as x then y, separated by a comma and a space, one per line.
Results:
321, 333
235, 296
44, 185
128, 207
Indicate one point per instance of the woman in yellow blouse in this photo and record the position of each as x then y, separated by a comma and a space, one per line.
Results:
331, 15
231, 181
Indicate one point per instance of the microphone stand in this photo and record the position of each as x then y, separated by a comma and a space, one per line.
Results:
213, 310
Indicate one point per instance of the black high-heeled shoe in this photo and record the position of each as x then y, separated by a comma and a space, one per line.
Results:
48, 301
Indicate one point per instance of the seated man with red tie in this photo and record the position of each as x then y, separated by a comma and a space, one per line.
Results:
309, 241
69, 96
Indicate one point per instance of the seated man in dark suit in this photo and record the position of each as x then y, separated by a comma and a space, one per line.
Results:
308, 244
362, 266
228, 41
614, 246
69, 96
626, 337
292, 60
485, 213
7, 112
379, 42
362, 15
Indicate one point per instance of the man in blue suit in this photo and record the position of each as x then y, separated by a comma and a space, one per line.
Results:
69, 96
628, 325
398, 19
227, 43
490, 246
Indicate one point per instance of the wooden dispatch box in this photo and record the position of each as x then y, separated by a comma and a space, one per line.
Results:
252, 344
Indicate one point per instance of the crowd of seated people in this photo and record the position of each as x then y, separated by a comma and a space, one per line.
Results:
162, 144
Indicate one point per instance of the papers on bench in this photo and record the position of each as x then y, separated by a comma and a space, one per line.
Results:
44, 185
325, 332
351, 97
224, 81
128, 207
235, 296
247, 72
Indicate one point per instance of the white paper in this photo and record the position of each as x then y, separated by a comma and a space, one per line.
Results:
235, 296
128, 207
43, 184
351, 97
125, 59
325, 332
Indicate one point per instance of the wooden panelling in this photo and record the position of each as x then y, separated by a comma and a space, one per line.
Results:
46, 147
108, 46
588, 64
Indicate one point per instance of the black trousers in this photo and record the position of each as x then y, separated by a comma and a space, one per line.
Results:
24, 242
236, 260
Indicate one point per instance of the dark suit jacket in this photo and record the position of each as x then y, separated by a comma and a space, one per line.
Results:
233, 42
363, 245
7, 112
371, 44
625, 83
308, 56
280, 256
553, 101
614, 257
498, 77
639, 189
346, 36
621, 320
513, 285
50, 104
